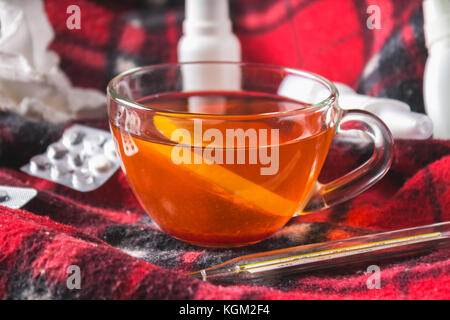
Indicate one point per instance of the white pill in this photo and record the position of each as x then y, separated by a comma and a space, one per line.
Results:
81, 179
99, 164
39, 163
56, 151
110, 149
59, 171
93, 144
73, 138
75, 160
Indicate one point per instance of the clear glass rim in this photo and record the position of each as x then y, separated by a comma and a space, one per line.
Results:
323, 104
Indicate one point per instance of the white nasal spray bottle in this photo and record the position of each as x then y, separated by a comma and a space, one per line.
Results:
437, 70
208, 36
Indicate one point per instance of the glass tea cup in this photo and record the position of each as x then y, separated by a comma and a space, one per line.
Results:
230, 164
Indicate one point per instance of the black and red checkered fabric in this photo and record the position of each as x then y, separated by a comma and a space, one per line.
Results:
123, 255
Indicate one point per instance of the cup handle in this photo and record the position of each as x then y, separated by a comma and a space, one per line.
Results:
366, 175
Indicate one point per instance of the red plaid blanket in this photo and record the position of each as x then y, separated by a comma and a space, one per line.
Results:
121, 254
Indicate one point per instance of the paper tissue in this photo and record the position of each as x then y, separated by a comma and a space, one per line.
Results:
31, 82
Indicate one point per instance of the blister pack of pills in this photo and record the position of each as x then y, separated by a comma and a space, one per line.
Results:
83, 159
16, 197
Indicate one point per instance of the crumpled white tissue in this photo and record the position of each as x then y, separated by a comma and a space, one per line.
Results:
31, 82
